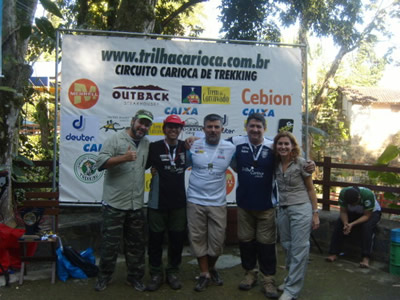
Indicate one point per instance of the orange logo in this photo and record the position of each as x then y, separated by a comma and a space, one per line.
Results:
83, 93
230, 181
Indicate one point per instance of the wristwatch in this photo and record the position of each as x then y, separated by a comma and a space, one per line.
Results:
315, 211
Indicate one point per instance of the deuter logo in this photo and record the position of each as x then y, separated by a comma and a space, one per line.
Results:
79, 138
181, 111
79, 123
264, 111
83, 93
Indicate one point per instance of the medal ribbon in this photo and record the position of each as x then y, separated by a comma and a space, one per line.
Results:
213, 156
172, 157
255, 157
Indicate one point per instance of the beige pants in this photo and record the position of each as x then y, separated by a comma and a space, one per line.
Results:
207, 225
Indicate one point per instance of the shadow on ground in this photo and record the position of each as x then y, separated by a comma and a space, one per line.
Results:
324, 281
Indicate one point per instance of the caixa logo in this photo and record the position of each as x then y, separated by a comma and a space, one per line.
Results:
92, 147
181, 111
264, 111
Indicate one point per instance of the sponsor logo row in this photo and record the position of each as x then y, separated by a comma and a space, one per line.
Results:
84, 94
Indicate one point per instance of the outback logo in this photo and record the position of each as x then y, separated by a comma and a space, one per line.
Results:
83, 93
264, 111
84, 169
150, 94
111, 125
181, 111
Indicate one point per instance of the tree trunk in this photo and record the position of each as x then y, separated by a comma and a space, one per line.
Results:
136, 16
16, 74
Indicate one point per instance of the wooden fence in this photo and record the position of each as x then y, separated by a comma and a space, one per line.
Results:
327, 183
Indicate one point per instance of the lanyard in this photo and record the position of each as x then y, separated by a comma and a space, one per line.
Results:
172, 157
255, 157
210, 164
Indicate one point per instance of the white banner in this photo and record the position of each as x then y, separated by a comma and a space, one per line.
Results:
105, 80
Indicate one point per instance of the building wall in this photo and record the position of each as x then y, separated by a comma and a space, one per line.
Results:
372, 124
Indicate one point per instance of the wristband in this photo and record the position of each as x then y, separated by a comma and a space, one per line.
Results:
315, 211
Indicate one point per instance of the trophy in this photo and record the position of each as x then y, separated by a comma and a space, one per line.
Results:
31, 218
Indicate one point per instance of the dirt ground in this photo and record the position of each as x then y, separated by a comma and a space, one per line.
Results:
324, 281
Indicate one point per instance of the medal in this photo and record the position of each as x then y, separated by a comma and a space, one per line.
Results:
255, 155
210, 166
173, 168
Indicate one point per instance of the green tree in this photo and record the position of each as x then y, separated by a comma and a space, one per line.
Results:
351, 24
23, 41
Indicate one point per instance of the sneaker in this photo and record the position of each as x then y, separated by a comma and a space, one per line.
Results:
269, 287
155, 282
281, 288
249, 280
101, 284
201, 284
215, 278
137, 284
285, 296
174, 282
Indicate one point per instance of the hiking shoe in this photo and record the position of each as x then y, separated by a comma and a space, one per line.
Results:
269, 287
215, 278
174, 282
101, 284
155, 282
201, 284
249, 280
137, 284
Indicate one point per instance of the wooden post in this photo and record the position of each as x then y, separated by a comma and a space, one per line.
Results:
326, 187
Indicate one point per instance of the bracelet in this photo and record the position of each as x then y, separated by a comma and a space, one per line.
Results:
315, 211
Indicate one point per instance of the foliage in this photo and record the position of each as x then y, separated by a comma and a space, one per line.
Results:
246, 20
391, 153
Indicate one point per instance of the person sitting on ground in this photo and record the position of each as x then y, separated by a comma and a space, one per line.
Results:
358, 206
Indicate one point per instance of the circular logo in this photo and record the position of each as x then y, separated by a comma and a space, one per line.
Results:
230, 181
83, 93
84, 169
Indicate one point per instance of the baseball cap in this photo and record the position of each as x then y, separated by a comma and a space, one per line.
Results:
144, 114
174, 119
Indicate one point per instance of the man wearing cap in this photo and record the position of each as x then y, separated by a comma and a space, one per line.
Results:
166, 208
124, 157
358, 207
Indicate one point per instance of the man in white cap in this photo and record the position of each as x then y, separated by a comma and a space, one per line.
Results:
124, 157
166, 210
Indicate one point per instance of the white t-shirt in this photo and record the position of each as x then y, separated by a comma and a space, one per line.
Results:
207, 181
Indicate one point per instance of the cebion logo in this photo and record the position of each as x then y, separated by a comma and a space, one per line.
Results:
84, 169
83, 93
181, 111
